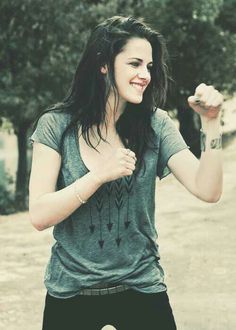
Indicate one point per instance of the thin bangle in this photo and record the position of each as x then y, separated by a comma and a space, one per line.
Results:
78, 195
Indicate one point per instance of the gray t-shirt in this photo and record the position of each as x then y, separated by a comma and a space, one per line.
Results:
112, 238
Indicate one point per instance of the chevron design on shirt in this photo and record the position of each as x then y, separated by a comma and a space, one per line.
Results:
99, 205
128, 187
118, 194
92, 226
128, 183
119, 201
118, 188
109, 186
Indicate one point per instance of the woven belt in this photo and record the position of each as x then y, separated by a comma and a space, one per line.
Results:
103, 291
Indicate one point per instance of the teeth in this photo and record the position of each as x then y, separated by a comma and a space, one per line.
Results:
137, 86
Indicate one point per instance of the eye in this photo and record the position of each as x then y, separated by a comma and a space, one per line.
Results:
135, 64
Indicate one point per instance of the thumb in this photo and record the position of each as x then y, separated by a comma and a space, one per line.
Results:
193, 100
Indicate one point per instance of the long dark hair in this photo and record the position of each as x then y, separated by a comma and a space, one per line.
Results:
88, 95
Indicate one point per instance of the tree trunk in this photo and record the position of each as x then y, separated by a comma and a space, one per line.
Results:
22, 174
189, 130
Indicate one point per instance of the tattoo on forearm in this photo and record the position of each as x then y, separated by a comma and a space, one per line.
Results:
202, 141
214, 143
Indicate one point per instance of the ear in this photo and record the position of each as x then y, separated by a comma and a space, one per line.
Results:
104, 69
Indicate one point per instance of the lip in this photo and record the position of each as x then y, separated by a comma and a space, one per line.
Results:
143, 85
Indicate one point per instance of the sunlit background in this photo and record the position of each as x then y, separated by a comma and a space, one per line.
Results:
40, 45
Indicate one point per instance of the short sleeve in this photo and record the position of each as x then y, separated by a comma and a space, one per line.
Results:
48, 131
171, 142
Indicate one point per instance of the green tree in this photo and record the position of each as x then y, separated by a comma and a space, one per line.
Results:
40, 45
201, 50
227, 17
36, 60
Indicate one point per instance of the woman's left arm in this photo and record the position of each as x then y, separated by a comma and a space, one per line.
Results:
203, 178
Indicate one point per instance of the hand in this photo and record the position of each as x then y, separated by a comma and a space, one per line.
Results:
207, 101
119, 163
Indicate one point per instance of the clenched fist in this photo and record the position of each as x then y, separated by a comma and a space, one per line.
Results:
207, 101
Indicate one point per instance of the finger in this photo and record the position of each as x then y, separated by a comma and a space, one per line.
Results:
124, 150
130, 166
129, 173
127, 165
200, 89
127, 151
213, 98
196, 104
194, 100
130, 160
218, 101
207, 94
208, 97
130, 153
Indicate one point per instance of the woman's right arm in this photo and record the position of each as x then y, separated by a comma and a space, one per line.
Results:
48, 207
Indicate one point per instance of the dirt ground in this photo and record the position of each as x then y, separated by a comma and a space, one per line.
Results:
197, 246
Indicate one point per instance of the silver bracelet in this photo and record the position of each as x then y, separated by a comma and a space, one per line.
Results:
78, 195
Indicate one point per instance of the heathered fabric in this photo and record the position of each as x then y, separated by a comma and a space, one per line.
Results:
112, 238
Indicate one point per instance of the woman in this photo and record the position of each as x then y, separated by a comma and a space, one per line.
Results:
95, 160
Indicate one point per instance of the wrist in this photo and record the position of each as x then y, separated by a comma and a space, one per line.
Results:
78, 193
210, 141
97, 178
210, 124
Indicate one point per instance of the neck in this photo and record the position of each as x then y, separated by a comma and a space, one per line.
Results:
113, 111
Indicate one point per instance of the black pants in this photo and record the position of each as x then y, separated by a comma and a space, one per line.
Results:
128, 310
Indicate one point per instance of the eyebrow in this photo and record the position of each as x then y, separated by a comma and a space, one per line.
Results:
138, 59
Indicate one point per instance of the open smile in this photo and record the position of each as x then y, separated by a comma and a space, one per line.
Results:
138, 87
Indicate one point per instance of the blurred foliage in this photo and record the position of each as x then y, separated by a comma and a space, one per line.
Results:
36, 55
227, 16
201, 50
41, 43
7, 198
5, 125
40, 46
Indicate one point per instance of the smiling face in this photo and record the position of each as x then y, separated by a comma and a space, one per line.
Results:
132, 70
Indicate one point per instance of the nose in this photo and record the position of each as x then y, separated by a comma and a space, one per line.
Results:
144, 74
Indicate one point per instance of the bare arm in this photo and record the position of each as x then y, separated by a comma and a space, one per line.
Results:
203, 178
48, 207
